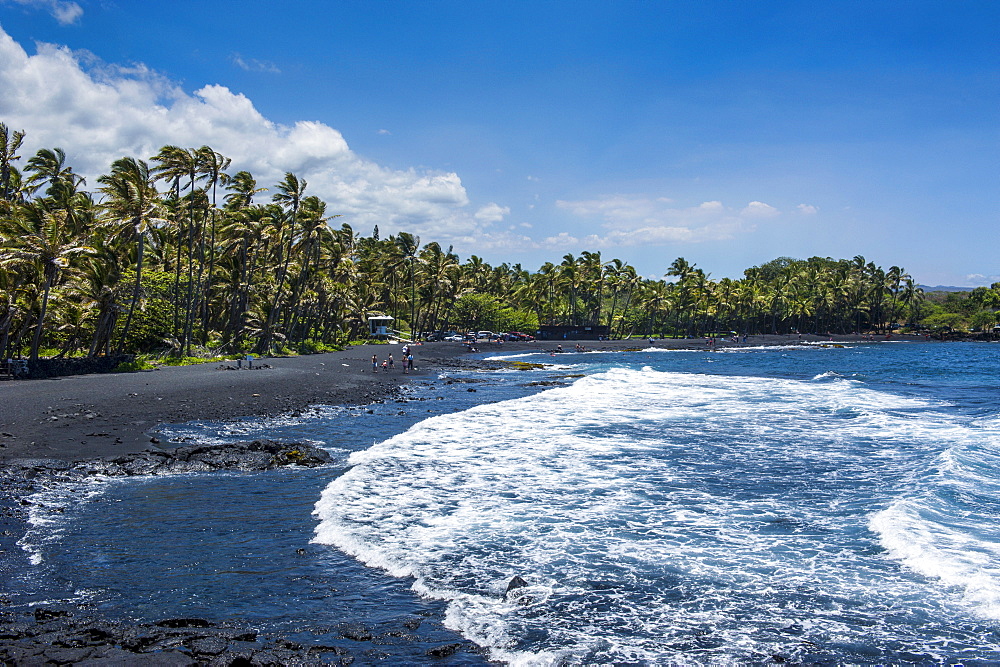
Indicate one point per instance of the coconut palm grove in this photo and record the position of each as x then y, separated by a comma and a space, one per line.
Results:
175, 257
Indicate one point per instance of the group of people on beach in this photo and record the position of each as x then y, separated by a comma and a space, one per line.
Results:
389, 363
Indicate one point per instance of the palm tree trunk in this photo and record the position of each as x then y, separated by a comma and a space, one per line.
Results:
37, 338
135, 292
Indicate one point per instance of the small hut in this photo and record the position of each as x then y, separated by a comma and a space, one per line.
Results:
379, 326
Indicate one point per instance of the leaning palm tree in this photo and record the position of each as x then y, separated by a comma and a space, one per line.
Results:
289, 195
176, 164
48, 168
43, 244
131, 206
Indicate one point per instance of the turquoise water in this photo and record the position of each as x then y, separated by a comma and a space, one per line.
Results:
811, 503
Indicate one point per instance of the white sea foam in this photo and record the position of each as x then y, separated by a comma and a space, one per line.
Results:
508, 357
934, 547
47, 515
659, 515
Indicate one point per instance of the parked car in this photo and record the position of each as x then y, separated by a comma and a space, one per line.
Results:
517, 335
484, 334
455, 338
438, 335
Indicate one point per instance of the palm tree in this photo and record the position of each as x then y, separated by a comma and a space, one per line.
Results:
10, 142
42, 243
408, 245
48, 167
290, 192
175, 164
212, 165
130, 206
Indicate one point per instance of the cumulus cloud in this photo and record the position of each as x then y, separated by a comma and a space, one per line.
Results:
98, 113
632, 221
807, 209
63, 11
492, 212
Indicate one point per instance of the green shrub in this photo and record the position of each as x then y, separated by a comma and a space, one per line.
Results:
138, 364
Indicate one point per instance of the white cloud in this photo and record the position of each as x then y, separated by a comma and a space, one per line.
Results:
758, 209
981, 279
254, 65
807, 209
633, 221
492, 213
384, 132
63, 11
98, 113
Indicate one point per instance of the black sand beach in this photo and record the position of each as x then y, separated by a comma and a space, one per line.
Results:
95, 416
48, 427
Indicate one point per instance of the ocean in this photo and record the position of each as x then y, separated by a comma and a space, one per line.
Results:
809, 503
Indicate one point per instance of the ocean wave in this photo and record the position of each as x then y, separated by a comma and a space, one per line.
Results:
655, 505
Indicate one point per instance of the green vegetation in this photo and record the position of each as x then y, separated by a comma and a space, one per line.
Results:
975, 311
177, 258
525, 365
139, 364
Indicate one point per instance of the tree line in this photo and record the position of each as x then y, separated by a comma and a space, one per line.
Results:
176, 255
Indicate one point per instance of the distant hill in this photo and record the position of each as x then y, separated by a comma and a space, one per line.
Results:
944, 288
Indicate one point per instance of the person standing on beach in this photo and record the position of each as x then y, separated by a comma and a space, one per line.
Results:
374, 363
392, 364
409, 361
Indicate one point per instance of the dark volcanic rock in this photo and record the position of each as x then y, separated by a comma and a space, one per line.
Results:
248, 456
443, 651
355, 632
515, 583
185, 641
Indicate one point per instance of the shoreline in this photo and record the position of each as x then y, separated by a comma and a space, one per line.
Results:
59, 425
80, 417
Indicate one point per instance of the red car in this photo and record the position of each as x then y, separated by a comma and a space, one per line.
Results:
517, 335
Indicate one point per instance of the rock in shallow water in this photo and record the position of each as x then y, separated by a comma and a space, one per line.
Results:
249, 456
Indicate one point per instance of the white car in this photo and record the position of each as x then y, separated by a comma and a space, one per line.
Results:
456, 338
484, 334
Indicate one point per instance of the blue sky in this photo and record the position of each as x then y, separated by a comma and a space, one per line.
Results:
728, 133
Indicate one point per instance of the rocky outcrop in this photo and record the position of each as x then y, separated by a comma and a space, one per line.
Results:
48, 368
55, 637
248, 456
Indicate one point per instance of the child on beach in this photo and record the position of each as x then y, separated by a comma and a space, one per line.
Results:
392, 364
